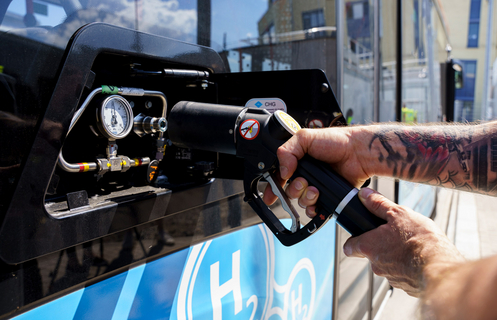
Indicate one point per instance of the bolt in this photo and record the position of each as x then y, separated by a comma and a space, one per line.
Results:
324, 87
261, 165
148, 104
231, 131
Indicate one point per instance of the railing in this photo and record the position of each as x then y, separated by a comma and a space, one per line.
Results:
290, 36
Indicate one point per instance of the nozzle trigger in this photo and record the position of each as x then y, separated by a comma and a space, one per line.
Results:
285, 201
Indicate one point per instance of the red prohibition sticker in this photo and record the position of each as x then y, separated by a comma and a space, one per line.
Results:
316, 123
249, 129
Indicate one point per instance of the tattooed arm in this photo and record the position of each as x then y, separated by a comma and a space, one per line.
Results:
453, 156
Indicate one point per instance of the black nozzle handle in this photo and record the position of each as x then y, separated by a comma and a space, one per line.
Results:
336, 197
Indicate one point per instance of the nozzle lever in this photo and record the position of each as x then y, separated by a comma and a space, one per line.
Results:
285, 201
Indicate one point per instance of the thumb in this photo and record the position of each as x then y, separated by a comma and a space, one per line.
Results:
351, 247
376, 203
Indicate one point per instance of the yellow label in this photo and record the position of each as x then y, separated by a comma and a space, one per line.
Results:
287, 121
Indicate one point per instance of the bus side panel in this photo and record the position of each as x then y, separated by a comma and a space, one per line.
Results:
246, 274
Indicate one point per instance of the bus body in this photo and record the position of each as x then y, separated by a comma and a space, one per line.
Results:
100, 223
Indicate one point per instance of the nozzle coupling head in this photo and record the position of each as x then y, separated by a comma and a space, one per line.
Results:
147, 125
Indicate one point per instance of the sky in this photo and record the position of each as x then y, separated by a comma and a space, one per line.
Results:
237, 18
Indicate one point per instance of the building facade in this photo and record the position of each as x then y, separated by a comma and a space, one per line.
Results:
468, 27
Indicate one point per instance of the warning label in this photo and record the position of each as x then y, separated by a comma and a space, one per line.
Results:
316, 123
249, 129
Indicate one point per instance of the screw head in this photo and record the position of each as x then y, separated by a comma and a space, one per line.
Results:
325, 87
261, 165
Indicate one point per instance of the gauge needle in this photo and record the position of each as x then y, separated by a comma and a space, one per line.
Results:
114, 118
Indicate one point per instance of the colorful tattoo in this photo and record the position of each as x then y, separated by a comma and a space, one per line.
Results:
447, 156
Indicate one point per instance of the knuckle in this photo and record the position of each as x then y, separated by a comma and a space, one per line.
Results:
303, 137
378, 203
281, 151
377, 270
391, 213
301, 133
395, 211
363, 248
311, 211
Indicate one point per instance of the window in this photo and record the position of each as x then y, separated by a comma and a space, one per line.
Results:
269, 35
467, 93
313, 19
358, 24
474, 23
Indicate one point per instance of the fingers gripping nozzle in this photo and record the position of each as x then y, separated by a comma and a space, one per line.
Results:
255, 135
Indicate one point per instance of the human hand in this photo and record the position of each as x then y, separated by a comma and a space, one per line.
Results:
408, 250
345, 149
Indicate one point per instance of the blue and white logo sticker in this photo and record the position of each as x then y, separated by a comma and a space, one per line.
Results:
255, 278
270, 104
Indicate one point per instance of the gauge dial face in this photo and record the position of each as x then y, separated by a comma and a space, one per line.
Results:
116, 117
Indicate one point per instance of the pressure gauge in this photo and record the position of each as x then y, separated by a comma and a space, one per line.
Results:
115, 117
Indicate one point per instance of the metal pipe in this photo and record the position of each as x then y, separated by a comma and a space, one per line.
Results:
434, 105
84, 166
398, 80
441, 17
377, 61
398, 66
76, 167
485, 114
339, 11
160, 95
376, 118
80, 111
140, 161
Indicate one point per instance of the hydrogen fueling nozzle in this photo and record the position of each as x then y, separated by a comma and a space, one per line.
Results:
255, 135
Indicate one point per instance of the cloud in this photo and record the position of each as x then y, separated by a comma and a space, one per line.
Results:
155, 16
164, 18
